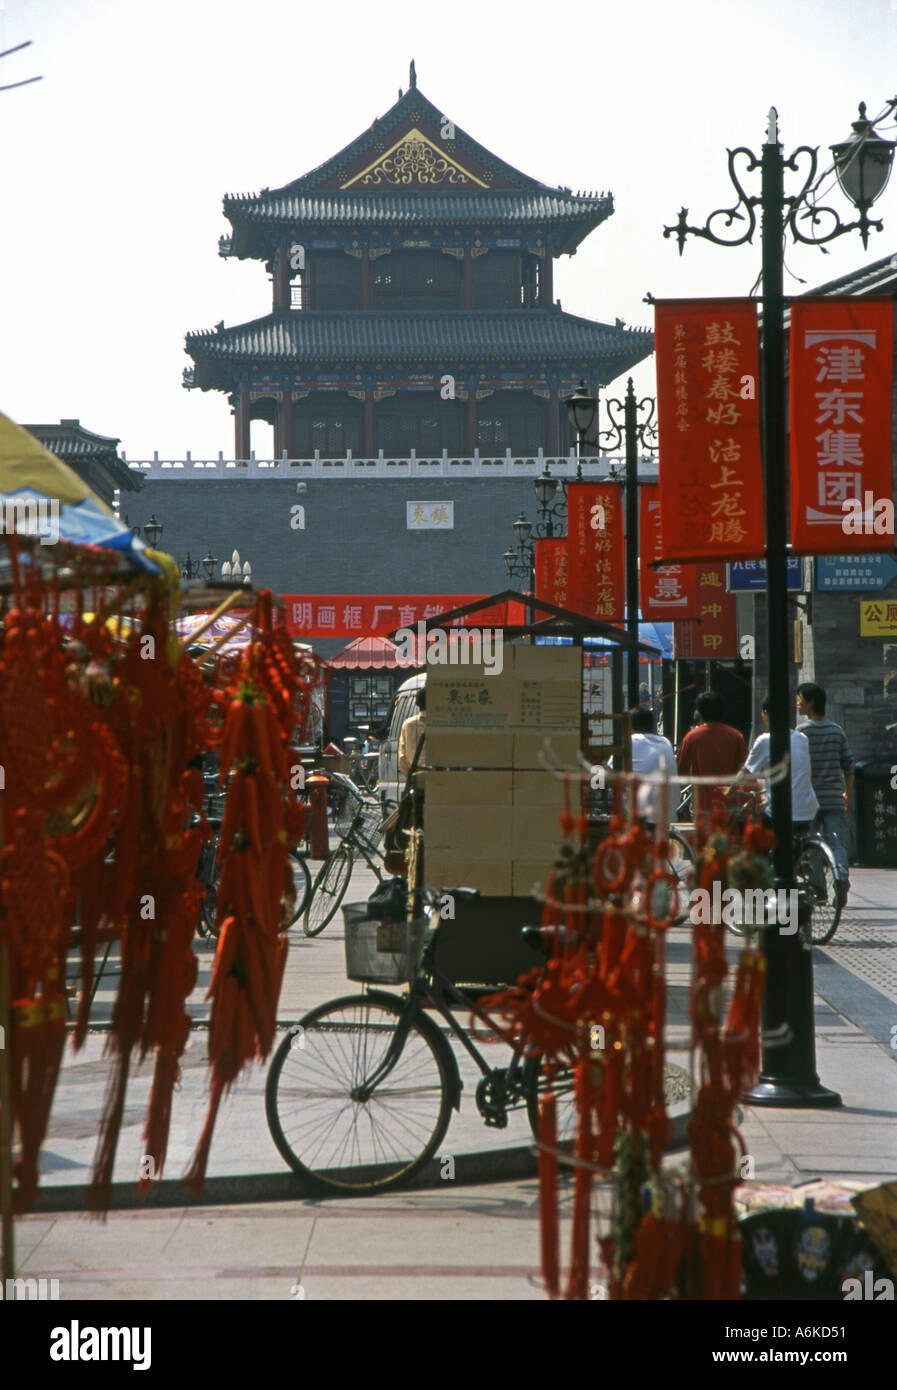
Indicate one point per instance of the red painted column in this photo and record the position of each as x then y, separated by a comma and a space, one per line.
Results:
547, 291
471, 423
368, 425
283, 427
467, 280
241, 426
553, 423
282, 280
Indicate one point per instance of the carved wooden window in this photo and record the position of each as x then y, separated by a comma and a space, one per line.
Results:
416, 280
337, 280
495, 280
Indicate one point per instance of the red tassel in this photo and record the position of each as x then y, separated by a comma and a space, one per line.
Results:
195, 1175
548, 1195
578, 1278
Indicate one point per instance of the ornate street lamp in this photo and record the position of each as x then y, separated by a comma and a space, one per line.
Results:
153, 532
627, 429
581, 409
863, 166
788, 1072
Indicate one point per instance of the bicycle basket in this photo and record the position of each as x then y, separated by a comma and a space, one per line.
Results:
344, 801
370, 822
382, 952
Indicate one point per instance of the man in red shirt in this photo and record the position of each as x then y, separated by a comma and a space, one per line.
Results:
713, 749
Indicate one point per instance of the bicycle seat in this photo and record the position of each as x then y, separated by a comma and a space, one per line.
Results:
542, 938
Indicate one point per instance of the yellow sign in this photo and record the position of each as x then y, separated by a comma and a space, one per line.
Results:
878, 618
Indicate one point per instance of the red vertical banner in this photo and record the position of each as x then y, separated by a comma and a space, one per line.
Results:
842, 353
668, 592
552, 575
596, 550
708, 417
714, 636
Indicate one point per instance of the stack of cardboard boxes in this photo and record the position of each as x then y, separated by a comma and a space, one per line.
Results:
492, 811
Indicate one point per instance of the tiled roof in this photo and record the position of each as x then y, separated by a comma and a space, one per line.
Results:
472, 333
319, 197
380, 209
75, 445
878, 278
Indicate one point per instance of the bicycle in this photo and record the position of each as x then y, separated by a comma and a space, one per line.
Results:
209, 868
818, 888
816, 875
360, 1092
358, 823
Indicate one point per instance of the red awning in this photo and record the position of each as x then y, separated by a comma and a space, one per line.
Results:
367, 653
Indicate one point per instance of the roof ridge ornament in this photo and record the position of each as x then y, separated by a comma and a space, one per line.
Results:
412, 76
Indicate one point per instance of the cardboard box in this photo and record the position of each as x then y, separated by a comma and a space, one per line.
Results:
531, 788
479, 832
547, 663
529, 869
469, 788
527, 747
535, 824
491, 877
465, 748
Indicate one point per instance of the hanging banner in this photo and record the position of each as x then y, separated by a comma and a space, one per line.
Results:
841, 369
668, 592
715, 634
376, 615
552, 571
708, 415
596, 550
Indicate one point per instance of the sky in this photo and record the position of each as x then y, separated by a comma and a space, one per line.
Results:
114, 166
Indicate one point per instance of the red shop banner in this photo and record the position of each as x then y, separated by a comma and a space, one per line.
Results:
668, 592
552, 571
841, 371
714, 636
708, 416
596, 551
376, 615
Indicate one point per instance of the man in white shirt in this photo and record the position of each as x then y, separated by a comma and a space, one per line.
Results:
652, 753
804, 805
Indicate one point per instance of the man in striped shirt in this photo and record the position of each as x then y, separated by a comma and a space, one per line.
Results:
832, 773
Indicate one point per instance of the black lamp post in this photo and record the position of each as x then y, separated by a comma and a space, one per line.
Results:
788, 1071
632, 432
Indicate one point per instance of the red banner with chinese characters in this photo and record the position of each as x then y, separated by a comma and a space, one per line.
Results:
715, 635
552, 571
841, 369
376, 615
668, 592
596, 551
708, 419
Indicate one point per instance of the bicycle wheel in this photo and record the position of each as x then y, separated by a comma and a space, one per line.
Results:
321, 1125
817, 874
680, 863
301, 875
536, 1086
207, 872
328, 890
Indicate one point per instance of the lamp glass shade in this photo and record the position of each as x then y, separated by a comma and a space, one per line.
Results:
210, 564
522, 529
153, 531
863, 163
509, 559
581, 408
545, 487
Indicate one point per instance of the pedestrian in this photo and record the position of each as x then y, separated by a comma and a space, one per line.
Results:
412, 732
651, 753
832, 770
804, 805
713, 749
